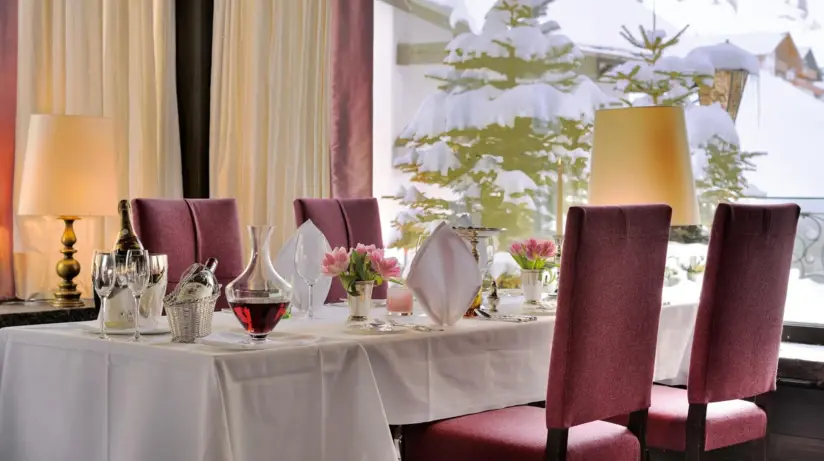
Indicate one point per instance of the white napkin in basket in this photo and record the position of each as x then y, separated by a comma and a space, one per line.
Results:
444, 276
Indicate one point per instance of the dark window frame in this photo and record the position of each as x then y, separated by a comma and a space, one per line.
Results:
804, 333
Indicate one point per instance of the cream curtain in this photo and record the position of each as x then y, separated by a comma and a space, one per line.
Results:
270, 107
113, 58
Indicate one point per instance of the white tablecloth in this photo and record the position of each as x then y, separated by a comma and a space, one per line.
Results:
479, 365
65, 395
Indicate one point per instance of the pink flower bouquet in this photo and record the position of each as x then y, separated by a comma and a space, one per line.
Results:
533, 254
363, 263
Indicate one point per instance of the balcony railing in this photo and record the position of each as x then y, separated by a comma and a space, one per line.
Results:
808, 253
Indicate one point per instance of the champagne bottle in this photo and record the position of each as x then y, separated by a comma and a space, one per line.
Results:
118, 305
126, 238
198, 282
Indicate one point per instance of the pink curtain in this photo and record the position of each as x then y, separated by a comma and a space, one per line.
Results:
8, 108
351, 143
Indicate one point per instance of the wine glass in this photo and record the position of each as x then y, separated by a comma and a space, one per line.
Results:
486, 256
104, 277
158, 268
137, 278
309, 253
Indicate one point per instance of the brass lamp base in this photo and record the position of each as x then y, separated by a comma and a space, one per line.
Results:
68, 268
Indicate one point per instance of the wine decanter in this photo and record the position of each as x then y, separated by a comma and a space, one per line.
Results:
259, 297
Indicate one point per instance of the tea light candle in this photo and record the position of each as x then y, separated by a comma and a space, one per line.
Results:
399, 300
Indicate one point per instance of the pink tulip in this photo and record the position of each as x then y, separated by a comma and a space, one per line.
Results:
335, 262
532, 249
385, 267
547, 249
362, 249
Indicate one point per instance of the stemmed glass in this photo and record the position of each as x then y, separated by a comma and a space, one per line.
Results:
104, 277
309, 253
137, 278
486, 257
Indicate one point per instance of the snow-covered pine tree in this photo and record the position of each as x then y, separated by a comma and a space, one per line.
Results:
719, 164
509, 109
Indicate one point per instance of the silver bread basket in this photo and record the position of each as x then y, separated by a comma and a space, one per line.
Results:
190, 320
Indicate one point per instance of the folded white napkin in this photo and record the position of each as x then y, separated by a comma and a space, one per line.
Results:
444, 276
285, 265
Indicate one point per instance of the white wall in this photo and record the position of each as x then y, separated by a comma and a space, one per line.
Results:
384, 81
397, 94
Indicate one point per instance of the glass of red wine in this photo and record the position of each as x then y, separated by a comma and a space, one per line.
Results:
259, 297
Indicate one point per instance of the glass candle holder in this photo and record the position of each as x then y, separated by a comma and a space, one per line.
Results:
399, 301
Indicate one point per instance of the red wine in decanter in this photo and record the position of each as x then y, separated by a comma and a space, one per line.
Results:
259, 316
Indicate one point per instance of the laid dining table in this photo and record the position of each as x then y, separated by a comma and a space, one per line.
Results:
316, 392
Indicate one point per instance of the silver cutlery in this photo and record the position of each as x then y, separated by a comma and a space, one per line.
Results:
506, 318
413, 326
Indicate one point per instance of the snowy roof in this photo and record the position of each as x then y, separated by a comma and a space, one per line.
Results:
784, 121
725, 56
807, 54
595, 34
602, 29
759, 44
603, 51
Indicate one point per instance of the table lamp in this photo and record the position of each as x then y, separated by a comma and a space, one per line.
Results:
68, 172
6, 257
640, 155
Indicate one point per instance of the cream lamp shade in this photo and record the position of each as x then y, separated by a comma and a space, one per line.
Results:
640, 155
69, 167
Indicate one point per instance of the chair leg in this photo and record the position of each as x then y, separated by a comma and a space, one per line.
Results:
762, 450
638, 426
696, 432
556, 445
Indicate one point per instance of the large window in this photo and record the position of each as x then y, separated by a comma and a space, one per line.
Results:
480, 107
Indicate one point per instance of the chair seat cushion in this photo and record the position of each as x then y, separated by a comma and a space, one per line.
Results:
728, 423
517, 433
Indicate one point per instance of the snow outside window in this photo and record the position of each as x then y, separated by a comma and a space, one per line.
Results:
479, 105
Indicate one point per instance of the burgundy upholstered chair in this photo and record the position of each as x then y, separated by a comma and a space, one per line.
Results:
737, 336
345, 223
603, 352
191, 230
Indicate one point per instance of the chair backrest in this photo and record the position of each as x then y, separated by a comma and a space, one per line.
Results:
191, 230
609, 303
345, 223
741, 311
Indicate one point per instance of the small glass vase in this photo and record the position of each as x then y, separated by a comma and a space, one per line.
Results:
532, 285
360, 305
